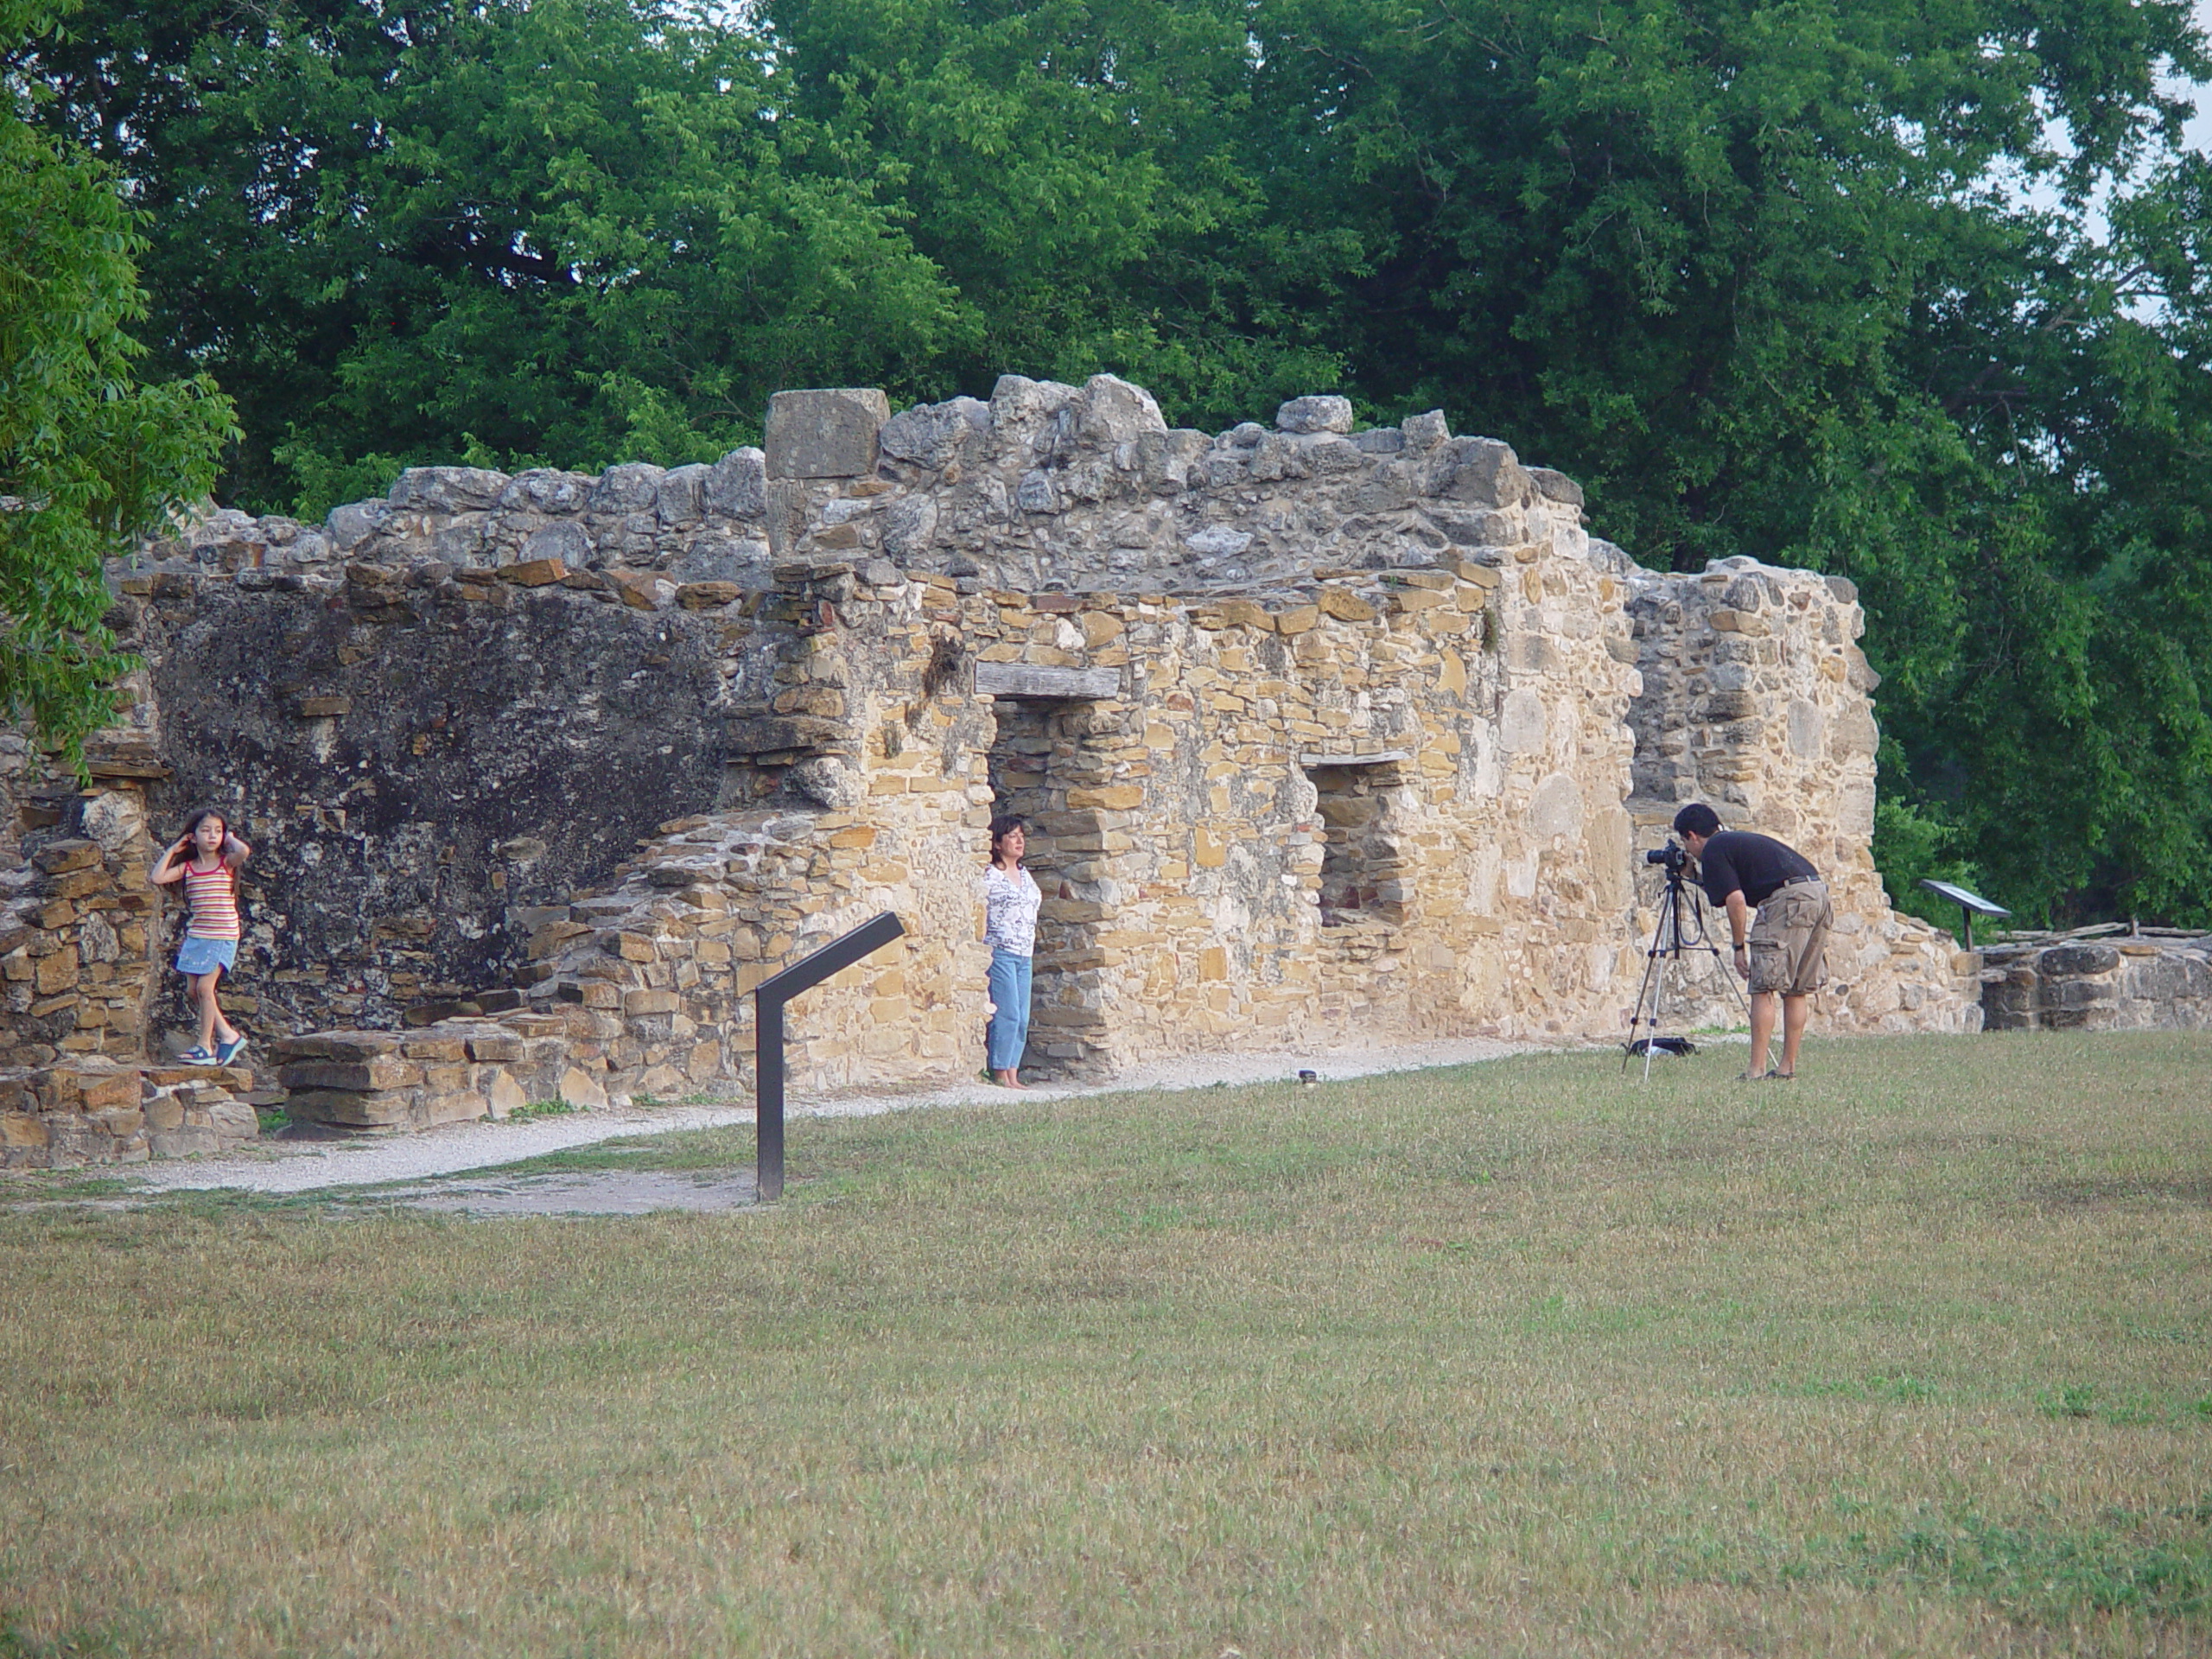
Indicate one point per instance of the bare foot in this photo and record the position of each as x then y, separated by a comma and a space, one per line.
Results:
1007, 1079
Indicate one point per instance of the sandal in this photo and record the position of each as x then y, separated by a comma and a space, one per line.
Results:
225, 1053
195, 1056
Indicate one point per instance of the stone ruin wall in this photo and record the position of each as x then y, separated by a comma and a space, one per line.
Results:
1328, 736
1756, 699
2134, 984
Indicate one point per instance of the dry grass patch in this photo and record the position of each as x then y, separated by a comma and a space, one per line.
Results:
1908, 1357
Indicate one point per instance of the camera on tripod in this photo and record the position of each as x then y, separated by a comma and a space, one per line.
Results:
1681, 929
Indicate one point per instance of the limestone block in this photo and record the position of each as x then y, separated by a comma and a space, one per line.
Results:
583, 1091
57, 856
1476, 469
57, 972
932, 435
538, 570
2069, 961
385, 1072
1424, 433
354, 523
644, 590
1555, 487
564, 542
1555, 809
681, 500
79, 884
1035, 491
908, 527
438, 1106
503, 1096
631, 487
1111, 413
1323, 414
1344, 605
737, 485
546, 490
320, 1045
445, 490
1218, 541
184, 1143
825, 433
1168, 459
349, 1109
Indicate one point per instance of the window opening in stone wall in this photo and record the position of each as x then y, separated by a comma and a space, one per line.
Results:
1363, 866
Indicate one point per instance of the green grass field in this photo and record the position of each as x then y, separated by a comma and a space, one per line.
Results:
1911, 1357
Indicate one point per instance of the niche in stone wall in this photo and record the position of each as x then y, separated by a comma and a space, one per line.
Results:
1363, 875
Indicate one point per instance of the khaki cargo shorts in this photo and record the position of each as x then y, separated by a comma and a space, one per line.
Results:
1790, 940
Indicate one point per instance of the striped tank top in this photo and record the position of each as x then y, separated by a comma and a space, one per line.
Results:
211, 898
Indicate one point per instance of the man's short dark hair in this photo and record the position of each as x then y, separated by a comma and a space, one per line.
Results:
1697, 819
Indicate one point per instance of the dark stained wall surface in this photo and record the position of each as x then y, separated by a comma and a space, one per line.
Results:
418, 766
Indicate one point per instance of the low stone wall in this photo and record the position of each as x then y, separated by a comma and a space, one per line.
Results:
78, 931
2121, 984
97, 1111
449, 1072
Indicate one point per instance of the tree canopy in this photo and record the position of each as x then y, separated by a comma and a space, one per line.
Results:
90, 458
1812, 282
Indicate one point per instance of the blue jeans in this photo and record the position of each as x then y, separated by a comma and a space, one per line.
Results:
1009, 1032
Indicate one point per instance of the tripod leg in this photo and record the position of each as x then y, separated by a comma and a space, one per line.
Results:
1652, 961
1658, 998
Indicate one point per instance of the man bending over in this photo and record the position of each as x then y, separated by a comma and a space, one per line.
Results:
1783, 951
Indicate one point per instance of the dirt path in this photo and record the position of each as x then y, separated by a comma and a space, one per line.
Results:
305, 1167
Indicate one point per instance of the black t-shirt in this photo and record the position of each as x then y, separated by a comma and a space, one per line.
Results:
1757, 864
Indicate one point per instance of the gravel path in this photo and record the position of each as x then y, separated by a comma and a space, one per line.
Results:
282, 1167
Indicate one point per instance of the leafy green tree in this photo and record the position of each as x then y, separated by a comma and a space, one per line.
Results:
90, 458
576, 230
1761, 275
1084, 172
1764, 273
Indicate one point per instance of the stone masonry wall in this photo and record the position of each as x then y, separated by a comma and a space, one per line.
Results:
1756, 700
1325, 734
2123, 984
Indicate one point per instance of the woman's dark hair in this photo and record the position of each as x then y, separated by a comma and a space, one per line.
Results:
1004, 826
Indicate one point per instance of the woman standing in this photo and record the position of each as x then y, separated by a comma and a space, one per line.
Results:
1010, 902
206, 858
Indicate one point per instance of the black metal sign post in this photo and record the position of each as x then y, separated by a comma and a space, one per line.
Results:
1970, 904
768, 999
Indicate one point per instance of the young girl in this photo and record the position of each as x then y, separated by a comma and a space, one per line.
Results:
207, 859
1010, 902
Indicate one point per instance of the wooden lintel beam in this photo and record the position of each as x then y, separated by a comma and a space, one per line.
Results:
1027, 680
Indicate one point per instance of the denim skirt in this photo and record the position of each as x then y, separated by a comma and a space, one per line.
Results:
198, 955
